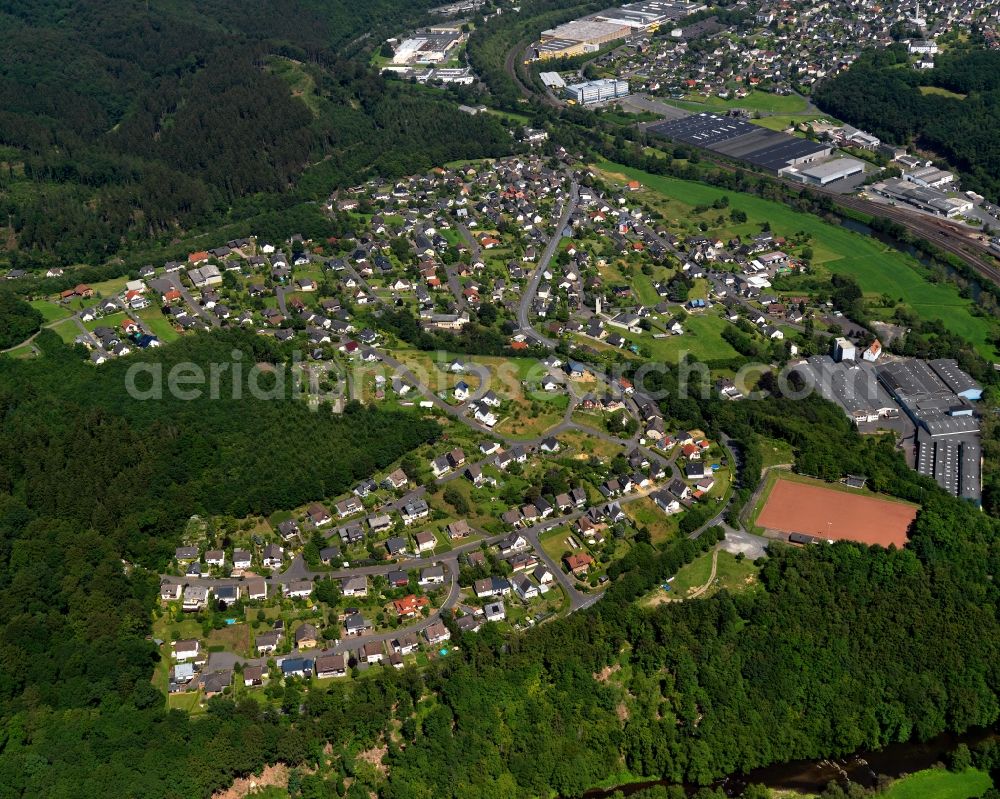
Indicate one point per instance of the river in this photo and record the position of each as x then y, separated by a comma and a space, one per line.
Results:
812, 776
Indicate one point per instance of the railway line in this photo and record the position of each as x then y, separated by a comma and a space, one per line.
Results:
945, 235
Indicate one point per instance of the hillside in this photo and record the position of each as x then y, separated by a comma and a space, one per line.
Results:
141, 124
956, 115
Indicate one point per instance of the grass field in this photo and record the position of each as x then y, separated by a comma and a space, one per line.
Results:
298, 79
67, 330
940, 784
554, 542
730, 575
879, 269
941, 92
52, 311
702, 338
783, 121
765, 102
644, 513
23, 351
775, 451
158, 323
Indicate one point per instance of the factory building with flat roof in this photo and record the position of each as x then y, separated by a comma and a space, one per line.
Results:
933, 395
738, 139
925, 198
853, 385
826, 173
597, 91
587, 34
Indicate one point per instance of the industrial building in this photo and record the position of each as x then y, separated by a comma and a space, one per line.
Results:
933, 395
926, 199
826, 173
587, 34
844, 350
431, 46
552, 80
597, 91
853, 385
930, 177
740, 140
562, 48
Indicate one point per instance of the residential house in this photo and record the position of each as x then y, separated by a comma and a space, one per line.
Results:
330, 666
354, 586
273, 557
297, 667
372, 652
524, 588
256, 588
299, 589
187, 649
578, 563
437, 633
306, 636
432, 575
195, 597
494, 611
268, 642
355, 625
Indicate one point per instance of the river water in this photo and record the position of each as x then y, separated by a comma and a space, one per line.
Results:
812, 776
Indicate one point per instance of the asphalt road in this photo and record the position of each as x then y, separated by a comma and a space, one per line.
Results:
524, 309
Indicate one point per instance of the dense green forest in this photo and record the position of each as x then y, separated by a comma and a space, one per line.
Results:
881, 94
18, 320
847, 647
144, 121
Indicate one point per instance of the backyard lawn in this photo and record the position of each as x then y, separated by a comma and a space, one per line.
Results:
645, 513
52, 311
702, 338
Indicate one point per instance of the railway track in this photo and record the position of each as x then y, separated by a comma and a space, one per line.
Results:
943, 234
515, 54
947, 236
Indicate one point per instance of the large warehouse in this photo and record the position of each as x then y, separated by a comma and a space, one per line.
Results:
587, 34
826, 173
738, 139
935, 395
926, 199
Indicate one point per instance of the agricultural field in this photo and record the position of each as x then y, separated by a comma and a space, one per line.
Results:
878, 268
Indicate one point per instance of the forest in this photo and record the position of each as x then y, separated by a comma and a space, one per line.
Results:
18, 320
150, 120
881, 93
846, 647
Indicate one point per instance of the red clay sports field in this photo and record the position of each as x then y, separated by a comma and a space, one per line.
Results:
794, 507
